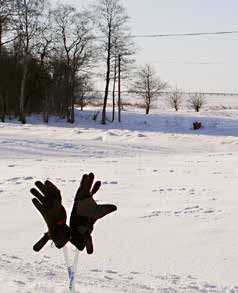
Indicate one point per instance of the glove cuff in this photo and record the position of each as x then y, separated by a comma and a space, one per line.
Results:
60, 235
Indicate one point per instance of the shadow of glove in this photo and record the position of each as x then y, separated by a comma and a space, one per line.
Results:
47, 199
86, 212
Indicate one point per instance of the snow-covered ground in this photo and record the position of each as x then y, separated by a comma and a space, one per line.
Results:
176, 189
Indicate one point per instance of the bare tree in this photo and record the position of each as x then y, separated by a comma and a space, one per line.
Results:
111, 18
28, 13
175, 99
197, 101
147, 85
74, 32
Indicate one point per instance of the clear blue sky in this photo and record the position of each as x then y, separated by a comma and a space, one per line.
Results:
207, 63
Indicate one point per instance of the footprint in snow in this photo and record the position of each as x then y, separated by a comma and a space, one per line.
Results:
15, 257
111, 182
210, 287
19, 282
99, 138
111, 272
194, 211
146, 287
134, 273
112, 133
28, 178
96, 271
108, 278
141, 135
14, 179
194, 207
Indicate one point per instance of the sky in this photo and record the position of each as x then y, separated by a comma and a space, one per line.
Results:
199, 63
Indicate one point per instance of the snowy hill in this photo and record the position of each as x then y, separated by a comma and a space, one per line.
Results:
176, 191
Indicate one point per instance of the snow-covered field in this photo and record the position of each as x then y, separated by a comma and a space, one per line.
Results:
176, 228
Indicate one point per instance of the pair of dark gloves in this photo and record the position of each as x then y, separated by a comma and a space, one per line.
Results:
47, 199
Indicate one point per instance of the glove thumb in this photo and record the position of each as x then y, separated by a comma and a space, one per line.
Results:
103, 210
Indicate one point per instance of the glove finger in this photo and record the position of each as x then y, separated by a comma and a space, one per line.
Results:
41, 243
90, 181
39, 206
54, 191
89, 244
104, 209
96, 187
38, 195
42, 188
82, 191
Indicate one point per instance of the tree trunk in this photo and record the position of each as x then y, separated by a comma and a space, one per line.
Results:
119, 88
147, 102
3, 107
46, 110
82, 102
67, 111
113, 91
106, 95
72, 99
107, 79
22, 117
1, 24
72, 116
68, 91
147, 108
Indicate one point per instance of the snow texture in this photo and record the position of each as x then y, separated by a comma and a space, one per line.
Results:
175, 188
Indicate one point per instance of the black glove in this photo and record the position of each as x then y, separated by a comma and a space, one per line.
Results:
49, 204
86, 212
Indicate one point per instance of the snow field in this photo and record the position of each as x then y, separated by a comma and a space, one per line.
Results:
176, 191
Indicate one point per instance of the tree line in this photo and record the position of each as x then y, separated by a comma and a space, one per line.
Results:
48, 55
